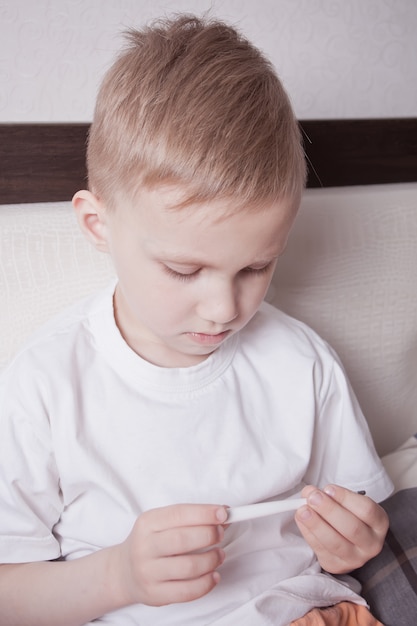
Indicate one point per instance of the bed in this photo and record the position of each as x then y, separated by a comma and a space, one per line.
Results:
350, 271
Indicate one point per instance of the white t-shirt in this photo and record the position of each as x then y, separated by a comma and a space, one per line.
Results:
92, 435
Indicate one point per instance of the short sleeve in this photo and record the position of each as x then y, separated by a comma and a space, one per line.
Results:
343, 451
30, 498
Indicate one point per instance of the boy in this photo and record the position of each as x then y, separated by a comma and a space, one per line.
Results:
131, 422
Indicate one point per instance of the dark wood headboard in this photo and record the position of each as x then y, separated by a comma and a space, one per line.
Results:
46, 162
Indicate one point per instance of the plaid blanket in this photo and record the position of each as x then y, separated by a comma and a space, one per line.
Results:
389, 581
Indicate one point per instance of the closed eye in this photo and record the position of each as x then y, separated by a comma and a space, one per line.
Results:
184, 276
258, 270
189, 275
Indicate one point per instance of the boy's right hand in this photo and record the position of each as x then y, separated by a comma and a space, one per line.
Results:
171, 555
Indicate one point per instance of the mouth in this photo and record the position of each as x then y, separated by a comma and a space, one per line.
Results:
209, 339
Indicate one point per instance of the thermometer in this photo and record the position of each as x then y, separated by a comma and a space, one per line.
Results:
252, 511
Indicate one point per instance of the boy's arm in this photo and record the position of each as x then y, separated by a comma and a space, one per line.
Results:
156, 565
345, 529
55, 593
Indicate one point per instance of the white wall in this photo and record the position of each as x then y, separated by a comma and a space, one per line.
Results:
337, 58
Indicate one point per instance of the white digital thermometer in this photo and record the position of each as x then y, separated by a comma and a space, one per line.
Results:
262, 509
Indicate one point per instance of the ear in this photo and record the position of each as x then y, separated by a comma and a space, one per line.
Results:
91, 216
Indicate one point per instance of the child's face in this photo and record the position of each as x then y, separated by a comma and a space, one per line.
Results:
190, 277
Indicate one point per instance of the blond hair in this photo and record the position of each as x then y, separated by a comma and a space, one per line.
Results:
191, 102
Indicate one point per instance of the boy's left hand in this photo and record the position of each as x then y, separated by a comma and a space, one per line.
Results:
345, 529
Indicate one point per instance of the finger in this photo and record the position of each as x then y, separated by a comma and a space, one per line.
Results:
342, 520
334, 552
361, 506
178, 515
191, 566
338, 535
355, 517
321, 535
176, 541
173, 592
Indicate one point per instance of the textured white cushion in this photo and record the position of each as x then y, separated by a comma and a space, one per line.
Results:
401, 465
45, 264
350, 271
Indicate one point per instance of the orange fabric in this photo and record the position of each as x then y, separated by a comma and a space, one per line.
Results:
343, 614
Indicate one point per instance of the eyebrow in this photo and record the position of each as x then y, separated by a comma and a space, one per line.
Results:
180, 259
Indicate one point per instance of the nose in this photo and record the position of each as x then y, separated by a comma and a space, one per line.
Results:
219, 302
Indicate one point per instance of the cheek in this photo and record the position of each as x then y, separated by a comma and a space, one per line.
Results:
164, 300
255, 292
125, 264
251, 299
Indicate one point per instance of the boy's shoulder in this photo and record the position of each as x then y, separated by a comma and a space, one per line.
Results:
67, 327
282, 347
272, 324
274, 337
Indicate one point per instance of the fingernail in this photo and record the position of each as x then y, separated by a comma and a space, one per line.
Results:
221, 515
304, 513
316, 498
216, 577
330, 490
